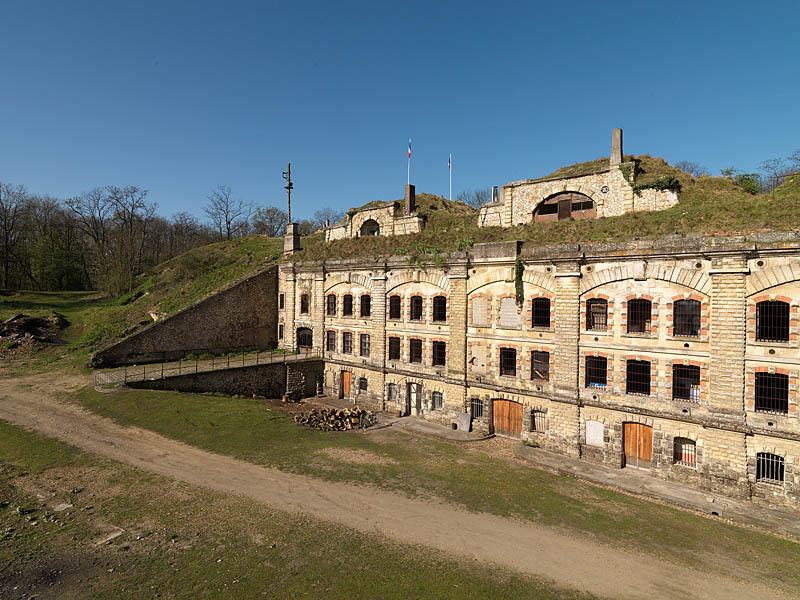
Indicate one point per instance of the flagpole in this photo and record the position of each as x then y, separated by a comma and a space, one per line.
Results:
409, 161
450, 168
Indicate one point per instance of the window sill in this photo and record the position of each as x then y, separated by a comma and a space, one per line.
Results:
597, 332
772, 484
636, 334
767, 344
640, 394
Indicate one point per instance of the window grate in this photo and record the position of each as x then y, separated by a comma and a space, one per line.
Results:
394, 348
638, 378
439, 354
395, 308
437, 400
330, 305
684, 452
597, 314
439, 308
769, 468
362, 384
508, 362
639, 316
366, 306
538, 421
347, 343
415, 351
686, 382
772, 393
364, 344
541, 312
540, 365
347, 305
596, 371
416, 308
476, 408
330, 341
304, 304
686, 318
772, 321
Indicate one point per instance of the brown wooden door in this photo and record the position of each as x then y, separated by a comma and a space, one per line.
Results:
347, 378
565, 208
638, 442
507, 417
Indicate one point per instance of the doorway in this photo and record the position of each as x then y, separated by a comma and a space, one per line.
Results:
507, 417
347, 382
414, 399
638, 443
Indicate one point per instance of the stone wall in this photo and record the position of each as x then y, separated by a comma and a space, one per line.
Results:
389, 222
298, 378
244, 316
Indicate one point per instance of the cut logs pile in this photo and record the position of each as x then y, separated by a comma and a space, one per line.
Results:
326, 419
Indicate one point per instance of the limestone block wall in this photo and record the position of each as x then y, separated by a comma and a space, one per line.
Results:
650, 200
384, 215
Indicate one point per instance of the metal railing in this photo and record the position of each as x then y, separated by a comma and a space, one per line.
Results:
155, 371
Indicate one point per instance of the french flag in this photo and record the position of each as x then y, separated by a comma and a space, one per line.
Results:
409, 147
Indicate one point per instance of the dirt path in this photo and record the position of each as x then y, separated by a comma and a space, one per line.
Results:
522, 546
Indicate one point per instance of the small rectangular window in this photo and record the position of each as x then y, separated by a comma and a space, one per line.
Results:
538, 421
394, 348
772, 393
508, 362
416, 308
479, 311
541, 312
476, 408
439, 354
304, 304
330, 305
281, 301
686, 382
597, 314
280, 332
437, 400
638, 378
347, 305
686, 316
366, 306
540, 365
330, 341
684, 452
395, 307
596, 371
362, 384
364, 342
347, 343
415, 351
772, 321
440, 308
769, 468
639, 316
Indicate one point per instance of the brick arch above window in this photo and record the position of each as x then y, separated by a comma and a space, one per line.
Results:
695, 279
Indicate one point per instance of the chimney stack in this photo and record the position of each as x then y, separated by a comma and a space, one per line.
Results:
616, 148
411, 201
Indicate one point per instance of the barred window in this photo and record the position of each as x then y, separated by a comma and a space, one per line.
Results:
597, 314
437, 399
769, 468
686, 318
538, 420
639, 316
281, 301
394, 348
395, 307
280, 331
439, 354
362, 384
305, 337
772, 393
416, 308
330, 341
686, 382
596, 371
508, 362
347, 305
772, 321
476, 408
540, 365
415, 351
347, 343
366, 305
364, 344
541, 312
684, 452
440, 308
303, 304
330, 304
638, 377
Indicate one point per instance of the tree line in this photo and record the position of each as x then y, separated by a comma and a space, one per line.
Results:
105, 238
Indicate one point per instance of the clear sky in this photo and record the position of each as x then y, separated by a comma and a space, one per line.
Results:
179, 97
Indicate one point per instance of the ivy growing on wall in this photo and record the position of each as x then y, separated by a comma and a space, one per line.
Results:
626, 172
518, 287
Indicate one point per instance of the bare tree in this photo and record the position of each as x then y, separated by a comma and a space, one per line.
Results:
475, 198
325, 215
269, 221
231, 218
692, 168
794, 160
13, 213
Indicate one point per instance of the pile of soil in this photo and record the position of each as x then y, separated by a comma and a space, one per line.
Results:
25, 331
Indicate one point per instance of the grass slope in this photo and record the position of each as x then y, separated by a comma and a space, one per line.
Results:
179, 541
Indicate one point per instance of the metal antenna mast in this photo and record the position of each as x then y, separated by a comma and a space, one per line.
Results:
287, 175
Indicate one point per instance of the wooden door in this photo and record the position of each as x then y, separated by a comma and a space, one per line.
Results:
564, 208
507, 417
347, 379
638, 442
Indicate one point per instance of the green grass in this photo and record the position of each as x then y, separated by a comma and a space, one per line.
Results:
248, 430
184, 542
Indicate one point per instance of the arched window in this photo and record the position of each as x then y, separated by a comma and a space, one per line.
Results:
395, 307
565, 205
686, 318
330, 305
347, 305
596, 314
330, 341
639, 316
772, 321
540, 308
416, 308
370, 227
305, 338
684, 452
439, 308
366, 305
769, 468
303, 304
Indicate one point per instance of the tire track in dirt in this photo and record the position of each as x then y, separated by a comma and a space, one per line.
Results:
520, 545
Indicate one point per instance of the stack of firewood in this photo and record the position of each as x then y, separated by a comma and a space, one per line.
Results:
326, 419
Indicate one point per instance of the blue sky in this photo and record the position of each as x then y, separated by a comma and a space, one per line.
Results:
179, 97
